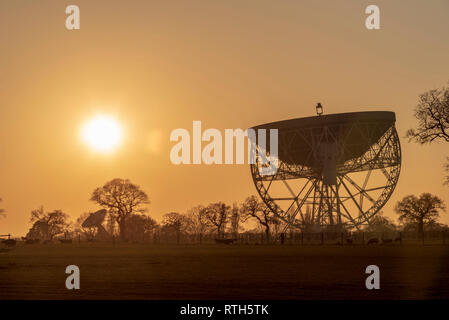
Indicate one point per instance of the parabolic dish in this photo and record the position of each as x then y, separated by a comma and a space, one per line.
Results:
339, 127
94, 219
333, 170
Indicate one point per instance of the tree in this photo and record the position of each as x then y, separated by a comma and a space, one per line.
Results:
421, 210
198, 223
47, 225
121, 198
380, 223
253, 208
432, 113
140, 226
175, 222
235, 220
218, 214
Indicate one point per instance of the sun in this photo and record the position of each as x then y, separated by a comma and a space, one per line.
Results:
102, 133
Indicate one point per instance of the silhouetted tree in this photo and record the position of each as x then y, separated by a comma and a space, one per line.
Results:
432, 113
218, 215
121, 198
175, 222
380, 223
198, 224
253, 208
235, 220
276, 224
420, 210
139, 227
47, 225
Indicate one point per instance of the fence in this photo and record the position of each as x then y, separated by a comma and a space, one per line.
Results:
292, 238
309, 238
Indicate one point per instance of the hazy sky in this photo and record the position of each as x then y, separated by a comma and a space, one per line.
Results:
157, 66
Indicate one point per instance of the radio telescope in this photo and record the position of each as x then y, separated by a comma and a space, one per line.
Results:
95, 220
334, 170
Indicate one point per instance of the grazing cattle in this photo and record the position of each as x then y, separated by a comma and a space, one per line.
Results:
9, 242
387, 240
32, 241
66, 241
225, 241
373, 241
349, 241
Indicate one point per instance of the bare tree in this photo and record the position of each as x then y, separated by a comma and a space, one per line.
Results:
235, 220
218, 215
421, 210
140, 227
198, 223
121, 198
175, 222
47, 225
253, 208
432, 113
380, 223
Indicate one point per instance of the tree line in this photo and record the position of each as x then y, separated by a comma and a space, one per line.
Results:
127, 218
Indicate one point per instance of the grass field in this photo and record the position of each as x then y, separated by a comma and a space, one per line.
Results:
224, 272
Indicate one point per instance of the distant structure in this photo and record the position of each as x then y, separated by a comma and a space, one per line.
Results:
335, 171
95, 220
39, 230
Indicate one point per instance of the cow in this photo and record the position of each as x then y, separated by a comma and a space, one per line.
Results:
349, 241
387, 241
225, 241
373, 241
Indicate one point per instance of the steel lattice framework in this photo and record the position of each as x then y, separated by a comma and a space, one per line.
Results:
365, 162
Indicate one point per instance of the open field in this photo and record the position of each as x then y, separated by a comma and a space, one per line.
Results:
224, 272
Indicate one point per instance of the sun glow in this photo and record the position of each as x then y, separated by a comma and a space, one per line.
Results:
102, 133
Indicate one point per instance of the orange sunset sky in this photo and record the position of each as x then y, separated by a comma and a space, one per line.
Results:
158, 65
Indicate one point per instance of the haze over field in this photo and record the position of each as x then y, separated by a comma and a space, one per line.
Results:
156, 67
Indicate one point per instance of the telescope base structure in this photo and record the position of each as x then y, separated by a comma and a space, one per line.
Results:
341, 173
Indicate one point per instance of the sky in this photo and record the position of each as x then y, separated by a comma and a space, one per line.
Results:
159, 65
